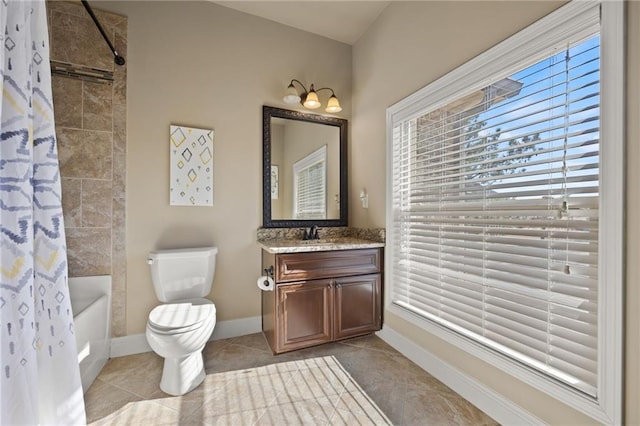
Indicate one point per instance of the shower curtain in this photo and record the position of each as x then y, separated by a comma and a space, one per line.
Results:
39, 373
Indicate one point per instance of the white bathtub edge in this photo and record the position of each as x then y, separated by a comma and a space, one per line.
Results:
137, 343
92, 324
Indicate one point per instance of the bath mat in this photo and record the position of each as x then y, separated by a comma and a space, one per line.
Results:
314, 391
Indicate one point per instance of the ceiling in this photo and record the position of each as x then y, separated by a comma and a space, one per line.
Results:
343, 21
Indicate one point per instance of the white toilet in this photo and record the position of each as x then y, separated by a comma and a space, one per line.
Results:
179, 329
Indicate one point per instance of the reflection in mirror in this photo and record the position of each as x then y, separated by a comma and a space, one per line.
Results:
307, 156
304, 169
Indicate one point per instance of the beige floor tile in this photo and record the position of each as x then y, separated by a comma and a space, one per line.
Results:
229, 357
247, 385
245, 393
117, 366
390, 397
372, 342
139, 374
328, 349
313, 383
255, 341
187, 404
103, 399
349, 418
443, 409
201, 417
310, 412
141, 413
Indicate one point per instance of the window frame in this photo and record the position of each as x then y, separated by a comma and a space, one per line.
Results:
570, 22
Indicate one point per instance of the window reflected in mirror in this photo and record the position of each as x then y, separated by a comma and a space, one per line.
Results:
310, 186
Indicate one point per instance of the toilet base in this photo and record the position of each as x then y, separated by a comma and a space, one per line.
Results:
182, 375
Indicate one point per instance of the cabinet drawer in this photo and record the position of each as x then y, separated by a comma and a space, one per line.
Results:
327, 264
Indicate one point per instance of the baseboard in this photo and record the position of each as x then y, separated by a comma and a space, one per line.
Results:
501, 409
137, 343
129, 345
237, 327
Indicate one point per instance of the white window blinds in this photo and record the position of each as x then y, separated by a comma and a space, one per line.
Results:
495, 214
310, 187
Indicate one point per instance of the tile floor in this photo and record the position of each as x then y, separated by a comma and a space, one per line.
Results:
127, 390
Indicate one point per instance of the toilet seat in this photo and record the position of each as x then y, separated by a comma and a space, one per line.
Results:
181, 317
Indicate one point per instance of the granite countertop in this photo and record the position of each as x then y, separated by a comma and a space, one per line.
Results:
323, 244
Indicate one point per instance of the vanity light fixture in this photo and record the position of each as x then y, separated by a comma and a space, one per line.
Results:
309, 98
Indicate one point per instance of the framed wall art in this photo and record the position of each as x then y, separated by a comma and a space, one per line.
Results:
191, 170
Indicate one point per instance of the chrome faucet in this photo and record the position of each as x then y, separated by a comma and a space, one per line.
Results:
311, 234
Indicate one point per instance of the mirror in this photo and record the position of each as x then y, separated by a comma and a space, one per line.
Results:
304, 172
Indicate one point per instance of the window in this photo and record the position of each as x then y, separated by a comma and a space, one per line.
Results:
497, 198
310, 186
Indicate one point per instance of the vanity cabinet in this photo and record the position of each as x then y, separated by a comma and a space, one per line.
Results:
321, 297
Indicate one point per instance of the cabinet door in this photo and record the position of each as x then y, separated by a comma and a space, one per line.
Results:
304, 314
357, 305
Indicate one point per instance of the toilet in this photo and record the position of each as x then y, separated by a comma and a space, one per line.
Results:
178, 329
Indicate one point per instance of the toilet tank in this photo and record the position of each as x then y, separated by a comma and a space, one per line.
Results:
182, 273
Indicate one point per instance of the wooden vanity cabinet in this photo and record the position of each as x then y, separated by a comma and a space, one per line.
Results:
320, 297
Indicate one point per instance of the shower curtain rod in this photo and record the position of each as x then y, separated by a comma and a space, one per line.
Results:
116, 57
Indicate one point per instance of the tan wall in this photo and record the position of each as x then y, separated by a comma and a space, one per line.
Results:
202, 65
414, 43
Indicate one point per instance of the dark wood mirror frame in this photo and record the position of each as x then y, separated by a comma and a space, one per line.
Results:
269, 112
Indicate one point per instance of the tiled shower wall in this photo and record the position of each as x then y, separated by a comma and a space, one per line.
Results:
90, 115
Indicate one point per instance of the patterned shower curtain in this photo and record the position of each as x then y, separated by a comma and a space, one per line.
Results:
40, 378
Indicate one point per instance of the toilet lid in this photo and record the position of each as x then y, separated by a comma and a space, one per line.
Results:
180, 315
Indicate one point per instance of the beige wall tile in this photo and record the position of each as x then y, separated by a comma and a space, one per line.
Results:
91, 129
118, 268
96, 203
120, 85
85, 153
76, 40
119, 174
120, 71
71, 202
109, 20
67, 98
118, 304
97, 109
121, 31
119, 127
89, 251
66, 7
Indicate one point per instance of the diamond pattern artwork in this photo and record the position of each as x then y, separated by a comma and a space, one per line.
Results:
191, 180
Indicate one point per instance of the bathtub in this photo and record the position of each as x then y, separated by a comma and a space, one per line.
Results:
91, 306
